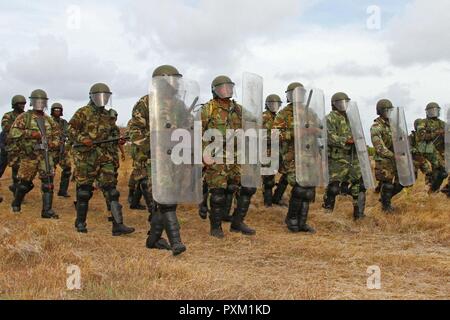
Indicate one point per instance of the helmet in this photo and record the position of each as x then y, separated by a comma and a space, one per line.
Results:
113, 113
340, 101
18, 100
433, 110
383, 107
166, 70
100, 94
56, 106
38, 100
222, 87
273, 103
290, 90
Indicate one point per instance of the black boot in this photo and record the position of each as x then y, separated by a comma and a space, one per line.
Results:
148, 197
47, 202
155, 240
203, 207
15, 179
358, 209
172, 228
229, 196
84, 194
130, 195
292, 216
64, 184
119, 228
135, 201
329, 198
438, 178
243, 204
303, 217
217, 204
269, 183
387, 192
21, 191
280, 190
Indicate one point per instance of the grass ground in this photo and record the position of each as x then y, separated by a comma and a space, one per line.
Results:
411, 247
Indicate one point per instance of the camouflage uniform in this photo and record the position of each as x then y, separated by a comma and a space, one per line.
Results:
268, 181
139, 173
95, 163
420, 161
62, 157
301, 197
385, 166
431, 145
11, 152
32, 161
224, 180
343, 161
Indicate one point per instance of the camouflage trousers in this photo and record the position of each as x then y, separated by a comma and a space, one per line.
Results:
386, 171
422, 164
30, 167
346, 171
139, 172
95, 165
219, 176
63, 162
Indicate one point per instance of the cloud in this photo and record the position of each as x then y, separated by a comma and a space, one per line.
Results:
420, 35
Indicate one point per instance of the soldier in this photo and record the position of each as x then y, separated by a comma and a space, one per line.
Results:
431, 144
224, 180
9, 152
36, 135
89, 126
420, 162
273, 104
62, 157
137, 175
385, 162
162, 217
301, 196
344, 167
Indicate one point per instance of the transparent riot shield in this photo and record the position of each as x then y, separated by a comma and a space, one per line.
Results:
176, 176
359, 138
402, 148
252, 106
447, 141
311, 158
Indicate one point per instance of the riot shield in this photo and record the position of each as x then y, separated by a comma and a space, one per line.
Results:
311, 158
252, 106
359, 138
176, 176
402, 148
447, 141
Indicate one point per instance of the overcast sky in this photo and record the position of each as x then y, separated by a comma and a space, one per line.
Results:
64, 47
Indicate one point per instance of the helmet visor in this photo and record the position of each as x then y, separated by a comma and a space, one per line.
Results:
224, 91
387, 112
433, 113
273, 106
100, 99
39, 104
342, 105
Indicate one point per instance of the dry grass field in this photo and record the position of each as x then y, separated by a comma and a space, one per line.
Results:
412, 248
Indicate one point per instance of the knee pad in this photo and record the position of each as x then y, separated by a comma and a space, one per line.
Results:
249, 192
388, 187
283, 180
85, 193
231, 189
334, 188
218, 197
24, 186
113, 194
306, 194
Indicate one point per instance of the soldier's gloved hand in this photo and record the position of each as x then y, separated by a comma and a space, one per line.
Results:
36, 135
87, 142
350, 141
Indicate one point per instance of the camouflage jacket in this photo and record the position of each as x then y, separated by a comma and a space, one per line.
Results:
381, 134
284, 122
268, 119
339, 132
90, 122
428, 137
7, 122
139, 125
22, 129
